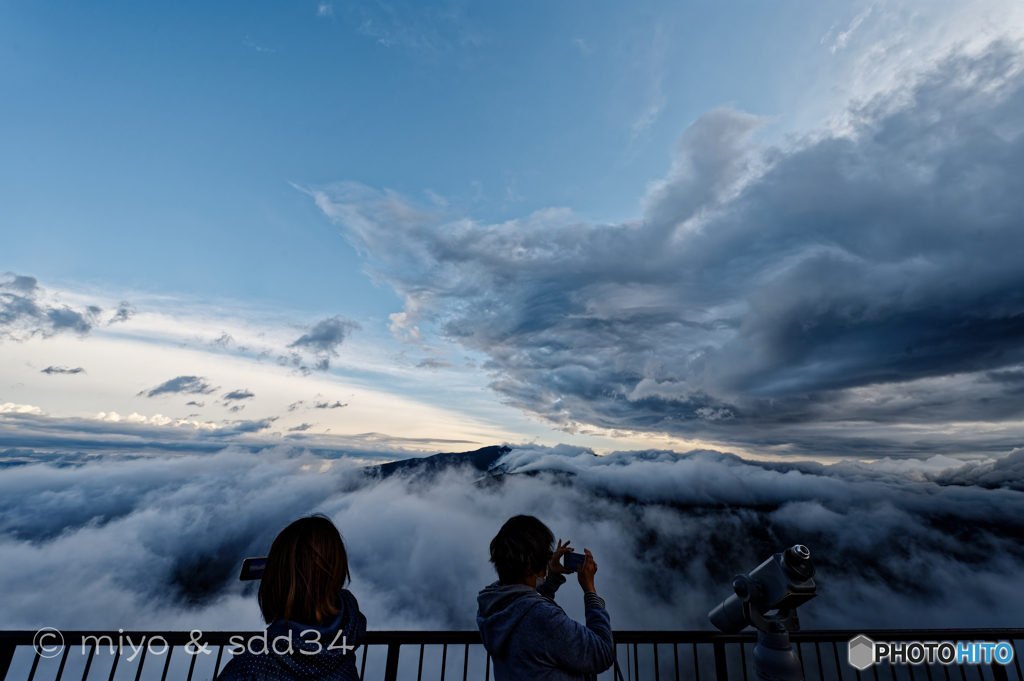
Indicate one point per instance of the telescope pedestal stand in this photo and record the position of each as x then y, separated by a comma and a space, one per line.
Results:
774, 657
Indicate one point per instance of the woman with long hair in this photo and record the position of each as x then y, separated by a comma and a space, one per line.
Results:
314, 623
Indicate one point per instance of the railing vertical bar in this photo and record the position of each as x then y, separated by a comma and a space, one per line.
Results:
857, 671
465, 664
696, 665
7, 651
675, 658
892, 671
721, 673
839, 670
88, 661
191, 665
142, 661
928, 671
216, 666
444, 659
657, 672
999, 672
874, 670
167, 663
817, 653
419, 672
910, 667
636, 663
963, 672
1016, 660
35, 663
63, 661
362, 667
487, 668
391, 666
117, 658
945, 669
743, 661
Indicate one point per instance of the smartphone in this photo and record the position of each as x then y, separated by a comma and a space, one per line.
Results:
252, 568
573, 561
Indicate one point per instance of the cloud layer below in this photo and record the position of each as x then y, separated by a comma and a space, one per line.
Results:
156, 542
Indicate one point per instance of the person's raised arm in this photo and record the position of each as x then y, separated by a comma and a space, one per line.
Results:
586, 649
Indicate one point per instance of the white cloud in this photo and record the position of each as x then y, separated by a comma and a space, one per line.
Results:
12, 408
843, 38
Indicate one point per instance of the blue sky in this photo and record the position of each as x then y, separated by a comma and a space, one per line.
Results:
154, 145
455, 186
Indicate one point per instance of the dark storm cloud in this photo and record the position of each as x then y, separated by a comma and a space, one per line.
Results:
238, 395
159, 540
124, 312
62, 370
25, 312
188, 385
836, 295
324, 338
432, 363
253, 426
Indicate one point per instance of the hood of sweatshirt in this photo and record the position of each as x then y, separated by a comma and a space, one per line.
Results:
306, 660
500, 609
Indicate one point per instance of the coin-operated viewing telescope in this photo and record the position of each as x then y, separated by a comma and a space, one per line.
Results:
767, 598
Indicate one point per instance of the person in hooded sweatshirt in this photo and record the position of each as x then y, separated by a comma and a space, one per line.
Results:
528, 635
314, 622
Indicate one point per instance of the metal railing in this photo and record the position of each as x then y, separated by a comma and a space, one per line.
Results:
448, 655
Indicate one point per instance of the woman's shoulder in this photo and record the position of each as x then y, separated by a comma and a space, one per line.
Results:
349, 599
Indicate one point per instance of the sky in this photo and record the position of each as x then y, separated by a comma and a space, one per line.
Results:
778, 229
762, 258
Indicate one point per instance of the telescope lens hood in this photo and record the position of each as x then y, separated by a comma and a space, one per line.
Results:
729, 616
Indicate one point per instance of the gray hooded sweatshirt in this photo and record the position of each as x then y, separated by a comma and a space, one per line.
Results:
531, 638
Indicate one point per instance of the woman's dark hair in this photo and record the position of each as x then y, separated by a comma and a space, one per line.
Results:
306, 570
523, 544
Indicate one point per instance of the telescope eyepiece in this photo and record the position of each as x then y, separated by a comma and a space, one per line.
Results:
797, 559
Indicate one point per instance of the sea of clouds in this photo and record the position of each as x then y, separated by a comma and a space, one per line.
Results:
156, 542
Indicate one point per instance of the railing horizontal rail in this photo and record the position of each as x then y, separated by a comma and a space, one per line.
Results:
393, 655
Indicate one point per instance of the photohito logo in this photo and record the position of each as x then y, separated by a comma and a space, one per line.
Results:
863, 652
48, 642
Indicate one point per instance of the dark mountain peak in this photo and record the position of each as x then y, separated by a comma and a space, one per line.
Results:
480, 459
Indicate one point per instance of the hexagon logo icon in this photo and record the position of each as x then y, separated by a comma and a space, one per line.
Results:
862, 652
